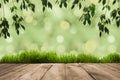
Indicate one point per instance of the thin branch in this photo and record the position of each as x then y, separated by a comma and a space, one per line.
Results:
3, 8
108, 1
14, 5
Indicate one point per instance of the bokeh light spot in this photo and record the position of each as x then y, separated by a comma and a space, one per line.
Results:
111, 39
29, 18
65, 25
112, 48
73, 31
90, 46
60, 39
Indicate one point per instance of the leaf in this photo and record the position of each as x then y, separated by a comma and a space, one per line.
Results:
65, 5
101, 26
89, 22
106, 30
99, 1
103, 8
21, 6
85, 9
0, 5
17, 26
24, 4
72, 6
5, 36
114, 2
108, 7
4, 30
109, 21
60, 5
8, 34
49, 5
84, 22
32, 6
20, 19
22, 27
102, 17
44, 2
118, 23
43, 9
114, 13
17, 32
76, 2
17, 1
13, 8
104, 2
119, 12
80, 5
100, 34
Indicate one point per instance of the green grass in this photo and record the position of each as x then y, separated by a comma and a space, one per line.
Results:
52, 57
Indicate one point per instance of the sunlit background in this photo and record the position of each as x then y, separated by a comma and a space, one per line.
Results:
61, 31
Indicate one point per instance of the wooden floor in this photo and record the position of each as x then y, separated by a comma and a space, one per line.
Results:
80, 71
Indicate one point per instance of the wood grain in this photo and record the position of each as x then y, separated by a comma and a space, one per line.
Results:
81, 71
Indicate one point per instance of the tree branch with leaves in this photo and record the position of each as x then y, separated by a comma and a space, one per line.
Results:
89, 11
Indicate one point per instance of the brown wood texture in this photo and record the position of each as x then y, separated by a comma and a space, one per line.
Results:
81, 71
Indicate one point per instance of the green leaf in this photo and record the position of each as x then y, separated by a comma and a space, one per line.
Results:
17, 26
60, 5
0, 5
104, 2
101, 26
17, 32
49, 5
102, 17
114, 13
8, 34
118, 23
72, 6
109, 21
76, 2
119, 11
108, 7
89, 22
85, 9
65, 5
100, 34
106, 30
22, 27
43, 9
99, 1
114, 2
80, 5
13, 8
17, 1
84, 22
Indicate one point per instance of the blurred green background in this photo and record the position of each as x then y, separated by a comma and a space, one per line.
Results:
61, 31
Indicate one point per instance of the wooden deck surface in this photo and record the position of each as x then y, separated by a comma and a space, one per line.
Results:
79, 71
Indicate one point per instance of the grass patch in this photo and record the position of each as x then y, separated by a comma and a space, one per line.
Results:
52, 57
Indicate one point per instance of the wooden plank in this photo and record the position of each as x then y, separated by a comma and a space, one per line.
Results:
57, 72
28, 72
115, 65
8, 69
36, 73
5, 66
11, 72
74, 72
112, 70
83, 71
98, 73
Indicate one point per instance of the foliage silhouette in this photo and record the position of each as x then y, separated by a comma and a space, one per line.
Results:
88, 13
